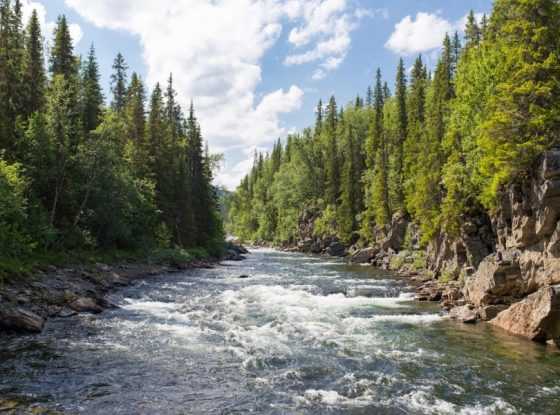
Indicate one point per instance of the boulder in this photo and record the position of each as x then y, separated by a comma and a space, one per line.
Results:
20, 320
466, 314
336, 249
364, 256
537, 317
490, 311
495, 279
86, 305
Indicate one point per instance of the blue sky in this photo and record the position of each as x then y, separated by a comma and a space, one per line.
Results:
256, 68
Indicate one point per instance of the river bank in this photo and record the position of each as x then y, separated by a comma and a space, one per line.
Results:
27, 302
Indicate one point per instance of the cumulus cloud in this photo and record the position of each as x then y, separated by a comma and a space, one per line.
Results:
326, 25
215, 50
423, 33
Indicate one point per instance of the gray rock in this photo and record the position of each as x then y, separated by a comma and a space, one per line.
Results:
465, 314
537, 317
491, 311
336, 249
494, 279
364, 256
17, 319
86, 305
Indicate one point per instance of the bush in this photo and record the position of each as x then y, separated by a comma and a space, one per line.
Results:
15, 238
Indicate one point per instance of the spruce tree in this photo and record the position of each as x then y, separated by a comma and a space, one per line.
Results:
34, 78
523, 114
402, 132
332, 169
119, 80
92, 97
62, 60
472, 31
416, 119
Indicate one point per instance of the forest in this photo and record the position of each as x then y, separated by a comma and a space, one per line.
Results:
437, 147
78, 174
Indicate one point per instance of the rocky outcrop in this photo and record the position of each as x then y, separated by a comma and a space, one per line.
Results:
457, 257
537, 317
496, 281
516, 287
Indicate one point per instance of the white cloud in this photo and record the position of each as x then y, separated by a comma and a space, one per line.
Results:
215, 50
327, 23
423, 34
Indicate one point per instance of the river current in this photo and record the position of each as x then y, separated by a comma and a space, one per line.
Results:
302, 335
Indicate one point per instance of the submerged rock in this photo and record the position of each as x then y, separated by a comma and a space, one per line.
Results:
537, 317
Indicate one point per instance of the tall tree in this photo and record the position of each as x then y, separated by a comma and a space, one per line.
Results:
92, 97
402, 132
34, 68
472, 31
62, 60
119, 80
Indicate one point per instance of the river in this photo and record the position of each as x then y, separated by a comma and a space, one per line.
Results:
302, 335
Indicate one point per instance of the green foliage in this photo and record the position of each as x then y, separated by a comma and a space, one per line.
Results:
15, 238
76, 176
441, 148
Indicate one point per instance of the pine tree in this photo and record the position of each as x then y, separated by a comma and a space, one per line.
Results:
380, 191
11, 69
416, 118
402, 132
92, 97
119, 80
135, 109
34, 78
62, 60
332, 169
319, 119
523, 114
472, 31
369, 97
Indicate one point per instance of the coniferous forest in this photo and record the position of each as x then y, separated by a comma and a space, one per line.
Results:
81, 171
434, 144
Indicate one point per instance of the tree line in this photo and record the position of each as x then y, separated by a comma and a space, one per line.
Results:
437, 148
76, 173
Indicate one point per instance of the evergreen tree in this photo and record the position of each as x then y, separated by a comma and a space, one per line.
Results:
92, 97
332, 169
523, 114
416, 119
472, 31
62, 60
34, 78
402, 133
119, 80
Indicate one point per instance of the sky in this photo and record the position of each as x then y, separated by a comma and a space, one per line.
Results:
255, 69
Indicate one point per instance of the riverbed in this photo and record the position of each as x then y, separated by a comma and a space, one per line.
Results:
301, 335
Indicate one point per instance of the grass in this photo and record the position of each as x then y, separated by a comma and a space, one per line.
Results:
27, 266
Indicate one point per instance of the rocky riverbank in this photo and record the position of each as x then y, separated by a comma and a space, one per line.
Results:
503, 267
27, 303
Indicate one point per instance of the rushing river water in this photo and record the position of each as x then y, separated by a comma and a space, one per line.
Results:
303, 335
